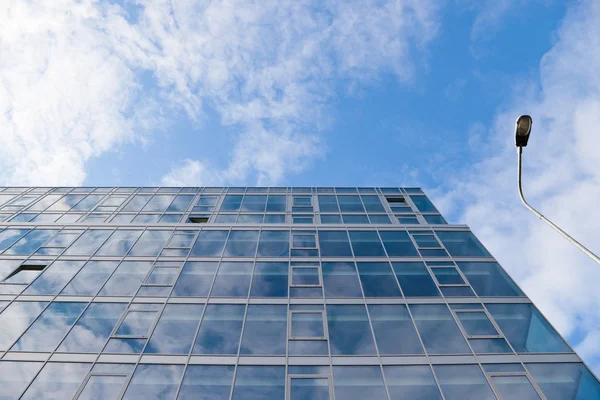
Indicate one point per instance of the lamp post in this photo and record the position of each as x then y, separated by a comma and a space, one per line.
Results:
522, 132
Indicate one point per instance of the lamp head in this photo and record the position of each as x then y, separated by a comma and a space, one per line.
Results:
522, 130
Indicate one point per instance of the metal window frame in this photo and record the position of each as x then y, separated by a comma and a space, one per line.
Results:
298, 233
307, 338
159, 266
491, 375
89, 376
425, 233
114, 334
499, 334
288, 383
317, 267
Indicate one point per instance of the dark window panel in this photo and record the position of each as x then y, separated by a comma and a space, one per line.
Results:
241, 244
415, 280
398, 244
270, 280
488, 279
462, 244
391, 322
438, 330
349, 330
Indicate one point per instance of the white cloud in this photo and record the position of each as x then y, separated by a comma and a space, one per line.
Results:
71, 87
561, 178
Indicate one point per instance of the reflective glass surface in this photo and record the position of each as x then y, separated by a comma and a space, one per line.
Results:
366, 244
378, 280
461, 382
241, 244
415, 280
358, 383
158, 382
270, 279
233, 279
127, 278
398, 244
15, 319
349, 330
54, 277
220, 330
119, 243
209, 244
206, 382
438, 330
274, 244
488, 279
259, 382
394, 330
175, 330
413, 382
514, 387
570, 381
195, 279
462, 244
265, 330
334, 244
57, 381
309, 388
341, 280
15, 376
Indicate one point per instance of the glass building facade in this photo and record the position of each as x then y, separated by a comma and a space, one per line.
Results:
263, 293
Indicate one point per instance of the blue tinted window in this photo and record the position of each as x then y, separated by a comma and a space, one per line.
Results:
423, 204
88, 243
378, 280
254, 203
9, 236
328, 204
489, 346
15, 376
275, 219
175, 329
379, 219
526, 329
159, 203
206, 382
391, 322
461, 382
30, 243
154, 382
358, 383
447, 276
334, 244
476, 323
434, 219
126, 280
55, 277
150, 243
570, 381
438, 330
462, 244
341, 280
220, 329
349, 330
355, 219
137, 202
411, 382
93, 328
270, 280
195, 279
350, 204
254, 382
231, 203
241, 244
119, 243
181, 203
265, 330
366, 244
309, 388
398, 244
488, 279
57, 381
209, 244
124, 346
233, 279
274, 244
15, 318
276, 204
372, 203
331, 219
414, 279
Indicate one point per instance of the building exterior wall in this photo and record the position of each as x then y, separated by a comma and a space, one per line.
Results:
263, 293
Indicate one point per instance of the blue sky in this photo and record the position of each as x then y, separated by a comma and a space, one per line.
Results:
310, 93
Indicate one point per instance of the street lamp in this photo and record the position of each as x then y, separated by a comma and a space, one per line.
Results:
522, 132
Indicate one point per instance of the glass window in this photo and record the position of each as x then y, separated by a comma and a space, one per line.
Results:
270, 280
309, 388
355, 219
461, 382
302, 201
233, 279
47, 331
447, 276
159, 203
438, 330
366, 244
276, 204
150, 243
220, 329
209, 244
7, 267
163, 274
181, 203
526, 329
93, 329
175, 330
341, 280
31, 242
328, 204
124, 346
350, 203
462, 244
265, 330
489, 346
349, 330
411, 382
488, 279
476, 323
105, 386
126, 280
119, 243
90, 278
55, 277
15, 319
391, 322
434, 219
206, 382
259, 382
231, 203
9, 236
275, 219
88, 203
250, 219
66, 202
307, 324
57, 381
565, 381
137, 202
154, 382
378, 280
305, 276
331, 219
398, 244
423, 203
514, 387
137, 323
170, 219
88, 243
372, 203
274, 244
254, 203
195, 278
358, 383
241, 244
415, 280
379, 219
334, 244
15, 376
302, 219
23, 274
